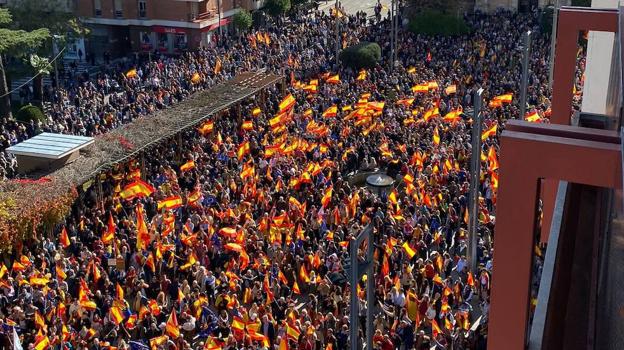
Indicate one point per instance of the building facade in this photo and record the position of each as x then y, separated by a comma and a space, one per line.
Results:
166, 26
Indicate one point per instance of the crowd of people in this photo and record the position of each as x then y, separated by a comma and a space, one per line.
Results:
237, 237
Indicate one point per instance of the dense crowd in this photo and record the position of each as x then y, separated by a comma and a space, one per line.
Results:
237, 237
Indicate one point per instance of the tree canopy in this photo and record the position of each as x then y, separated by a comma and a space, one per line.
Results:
277, 7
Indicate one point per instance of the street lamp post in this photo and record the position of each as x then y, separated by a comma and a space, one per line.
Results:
475, 175
337, 32
525, 73
553, 34
55, 51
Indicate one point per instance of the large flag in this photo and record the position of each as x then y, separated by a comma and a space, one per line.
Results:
330, 112
410, 252
171, 327
170, 203
489, 132
327, 196
287, 103
137, 189
187, 166
243, 149
143, 237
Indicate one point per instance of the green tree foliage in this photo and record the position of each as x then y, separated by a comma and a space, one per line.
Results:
361, 55
430, 22
28, 113
546, 20
243, 20
51, 14
277, 7
16, 43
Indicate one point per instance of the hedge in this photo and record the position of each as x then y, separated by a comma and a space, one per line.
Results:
435, 23
28, 113
361, 55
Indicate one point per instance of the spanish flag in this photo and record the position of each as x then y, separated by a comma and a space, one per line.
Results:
39, 321
405, 102
195, 78
64, 238
157, 341
410, 252
295, 288
116, 315
170, 203
287, 103
436, 136
293, 332
243, 150
393, 197
334, 79
376, 106
435, 328
420, 88
41, 342
489, 132
411, 70
187, 166
109, 234
131, 73
330, 112
430, 113
303, 274
327, 196
362, 75
451, 89
3, 271
206, 128
171, 327
532, 117
119, 291
136, 189
453, 116
256, 111
247, 125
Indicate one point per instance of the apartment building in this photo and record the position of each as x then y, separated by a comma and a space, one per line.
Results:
167, 26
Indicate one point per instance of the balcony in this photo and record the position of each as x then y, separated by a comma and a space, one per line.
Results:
252, 5
197, 18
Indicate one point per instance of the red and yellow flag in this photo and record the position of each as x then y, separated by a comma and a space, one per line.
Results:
171, 327
137, 189
170, 203
64, 238
190, 165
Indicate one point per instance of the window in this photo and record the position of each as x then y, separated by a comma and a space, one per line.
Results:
97, 7
118, 6
142, 8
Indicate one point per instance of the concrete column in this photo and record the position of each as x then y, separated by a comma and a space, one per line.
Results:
599, 55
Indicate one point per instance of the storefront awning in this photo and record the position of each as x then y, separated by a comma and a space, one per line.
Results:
223, 22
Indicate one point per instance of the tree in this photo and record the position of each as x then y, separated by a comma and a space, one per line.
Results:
277, 7
42, 67
361, 55
17, 43
243, 20
57, 18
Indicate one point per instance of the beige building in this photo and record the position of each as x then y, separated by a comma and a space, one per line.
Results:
167, 26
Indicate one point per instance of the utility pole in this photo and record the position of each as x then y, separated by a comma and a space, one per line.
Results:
525, 73
338, 41
475, 176
553, 34
395, 33
392, 42
219, 17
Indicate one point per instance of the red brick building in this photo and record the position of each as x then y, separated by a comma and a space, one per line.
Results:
168, 26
